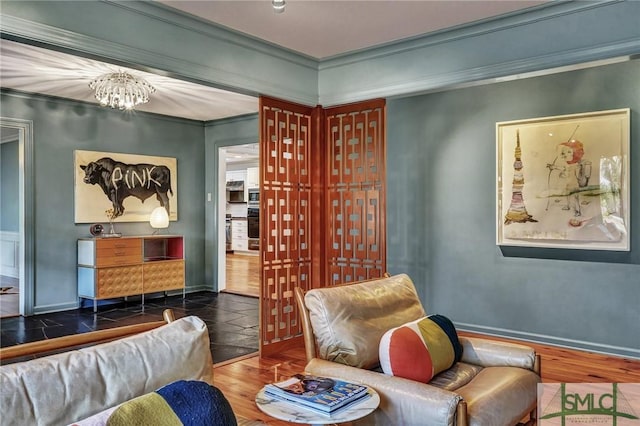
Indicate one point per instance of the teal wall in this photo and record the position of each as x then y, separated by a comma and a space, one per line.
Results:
9, 186
441, 222
62, 126
441, 155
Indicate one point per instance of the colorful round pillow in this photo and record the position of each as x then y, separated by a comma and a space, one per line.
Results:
420, 349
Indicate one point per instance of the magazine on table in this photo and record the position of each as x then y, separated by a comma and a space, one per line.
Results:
321, 394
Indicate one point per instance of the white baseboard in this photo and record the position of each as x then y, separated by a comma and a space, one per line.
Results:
46, 309
621, 351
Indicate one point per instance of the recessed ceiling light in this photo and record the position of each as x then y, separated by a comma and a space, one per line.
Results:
278, 5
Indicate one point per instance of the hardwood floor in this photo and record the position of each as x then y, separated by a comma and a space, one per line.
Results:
243, 274
241, 380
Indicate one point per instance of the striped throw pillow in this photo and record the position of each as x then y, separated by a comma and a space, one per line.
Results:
420, 349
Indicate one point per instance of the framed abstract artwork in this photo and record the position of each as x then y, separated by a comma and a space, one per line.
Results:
123, 187
563, 182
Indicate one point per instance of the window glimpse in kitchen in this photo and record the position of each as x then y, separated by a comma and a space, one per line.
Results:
242, 224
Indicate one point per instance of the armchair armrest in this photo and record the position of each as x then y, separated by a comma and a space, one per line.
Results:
402, 401
493, 353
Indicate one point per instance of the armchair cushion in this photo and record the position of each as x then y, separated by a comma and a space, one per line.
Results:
402, 401
420, 349
348, 321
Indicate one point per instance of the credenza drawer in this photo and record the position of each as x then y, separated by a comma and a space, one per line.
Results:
116, 282
163, 276
119, 259
118, 244
116, 253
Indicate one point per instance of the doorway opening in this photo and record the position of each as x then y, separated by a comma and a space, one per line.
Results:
9, 222
239, 194
16, 217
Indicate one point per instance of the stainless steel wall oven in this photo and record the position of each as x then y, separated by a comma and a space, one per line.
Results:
253, 227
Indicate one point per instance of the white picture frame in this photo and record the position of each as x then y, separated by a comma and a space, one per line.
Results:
563, 181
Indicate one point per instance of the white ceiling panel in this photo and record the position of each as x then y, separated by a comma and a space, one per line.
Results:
36, 70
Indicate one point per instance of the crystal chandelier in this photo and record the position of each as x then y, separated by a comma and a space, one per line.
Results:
121, 90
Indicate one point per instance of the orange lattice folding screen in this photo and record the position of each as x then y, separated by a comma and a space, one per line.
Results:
355, 155
322, 206
286, 140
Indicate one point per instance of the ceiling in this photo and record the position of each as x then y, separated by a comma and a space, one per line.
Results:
242, 155
37, 70
324, 28
318, 29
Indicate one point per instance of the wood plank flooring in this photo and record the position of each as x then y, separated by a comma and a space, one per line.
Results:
241, 380
243, 274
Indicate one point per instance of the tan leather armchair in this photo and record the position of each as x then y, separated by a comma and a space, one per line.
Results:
494, 384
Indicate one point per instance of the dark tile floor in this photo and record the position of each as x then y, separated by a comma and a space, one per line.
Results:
232, 321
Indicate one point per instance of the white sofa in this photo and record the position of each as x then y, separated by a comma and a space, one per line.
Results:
71, 386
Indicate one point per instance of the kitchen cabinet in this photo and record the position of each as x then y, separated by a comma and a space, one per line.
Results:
120, 267
239, 237
236, 175
253, 177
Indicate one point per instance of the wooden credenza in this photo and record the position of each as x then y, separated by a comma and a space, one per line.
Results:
119, 267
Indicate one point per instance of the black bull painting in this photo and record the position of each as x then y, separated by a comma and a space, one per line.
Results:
119, 180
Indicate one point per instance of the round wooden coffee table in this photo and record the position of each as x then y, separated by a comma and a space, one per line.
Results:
293, 413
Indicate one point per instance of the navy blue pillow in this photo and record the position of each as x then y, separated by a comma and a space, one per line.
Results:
447, 326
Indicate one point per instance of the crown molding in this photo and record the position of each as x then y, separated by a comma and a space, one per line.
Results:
486, 26
234, 119
40, 97
184, 20
532, 66
450, 59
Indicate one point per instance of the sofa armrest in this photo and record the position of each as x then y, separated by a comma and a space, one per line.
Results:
493, 353
402, 401
109, 374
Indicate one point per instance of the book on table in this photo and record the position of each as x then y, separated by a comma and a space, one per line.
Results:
321, 394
